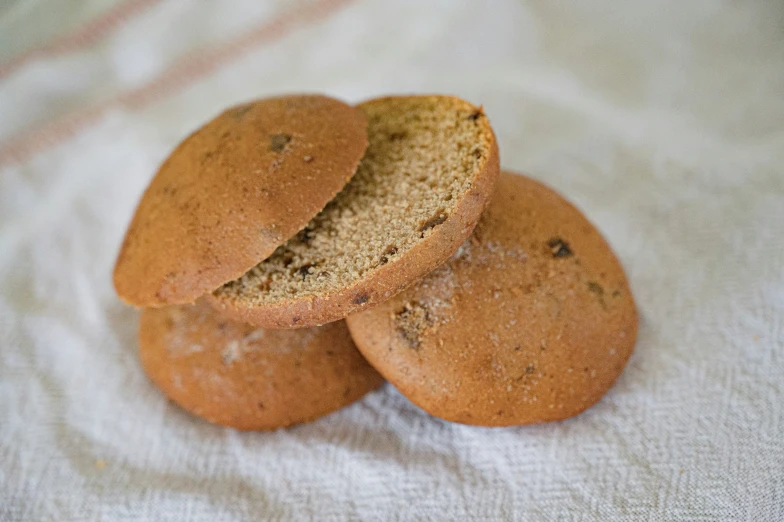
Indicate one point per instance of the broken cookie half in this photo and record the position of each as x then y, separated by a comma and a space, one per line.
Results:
428, 173
233, 191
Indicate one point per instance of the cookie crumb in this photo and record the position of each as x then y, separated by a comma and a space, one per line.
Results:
231, 353
412, 322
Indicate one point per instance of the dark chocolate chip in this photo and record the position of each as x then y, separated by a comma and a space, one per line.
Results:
595, 288
599, 291
304, 270
559, 247
475, 115
438, 218
391, 250
306, 235
360, 299
278, 142
239, 112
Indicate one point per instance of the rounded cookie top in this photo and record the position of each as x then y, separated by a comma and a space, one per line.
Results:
235, 375
532, 320
428, 173
233, 191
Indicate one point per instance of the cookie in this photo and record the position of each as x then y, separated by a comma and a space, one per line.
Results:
428, 173
235, 375
233, 191
532, 320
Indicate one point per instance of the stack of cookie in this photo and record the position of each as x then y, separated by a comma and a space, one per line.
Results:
288, 232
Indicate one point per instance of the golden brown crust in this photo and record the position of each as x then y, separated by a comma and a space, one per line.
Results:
239, 376
233, 191
531, 321
386, 280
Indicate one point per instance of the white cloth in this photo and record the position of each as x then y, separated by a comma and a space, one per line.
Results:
663, 121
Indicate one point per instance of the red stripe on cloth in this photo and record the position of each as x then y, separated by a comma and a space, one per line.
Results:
190, 69
89, 34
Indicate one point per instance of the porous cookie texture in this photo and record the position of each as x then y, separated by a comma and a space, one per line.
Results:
532, 320
427, 175
247, 378
233, 191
